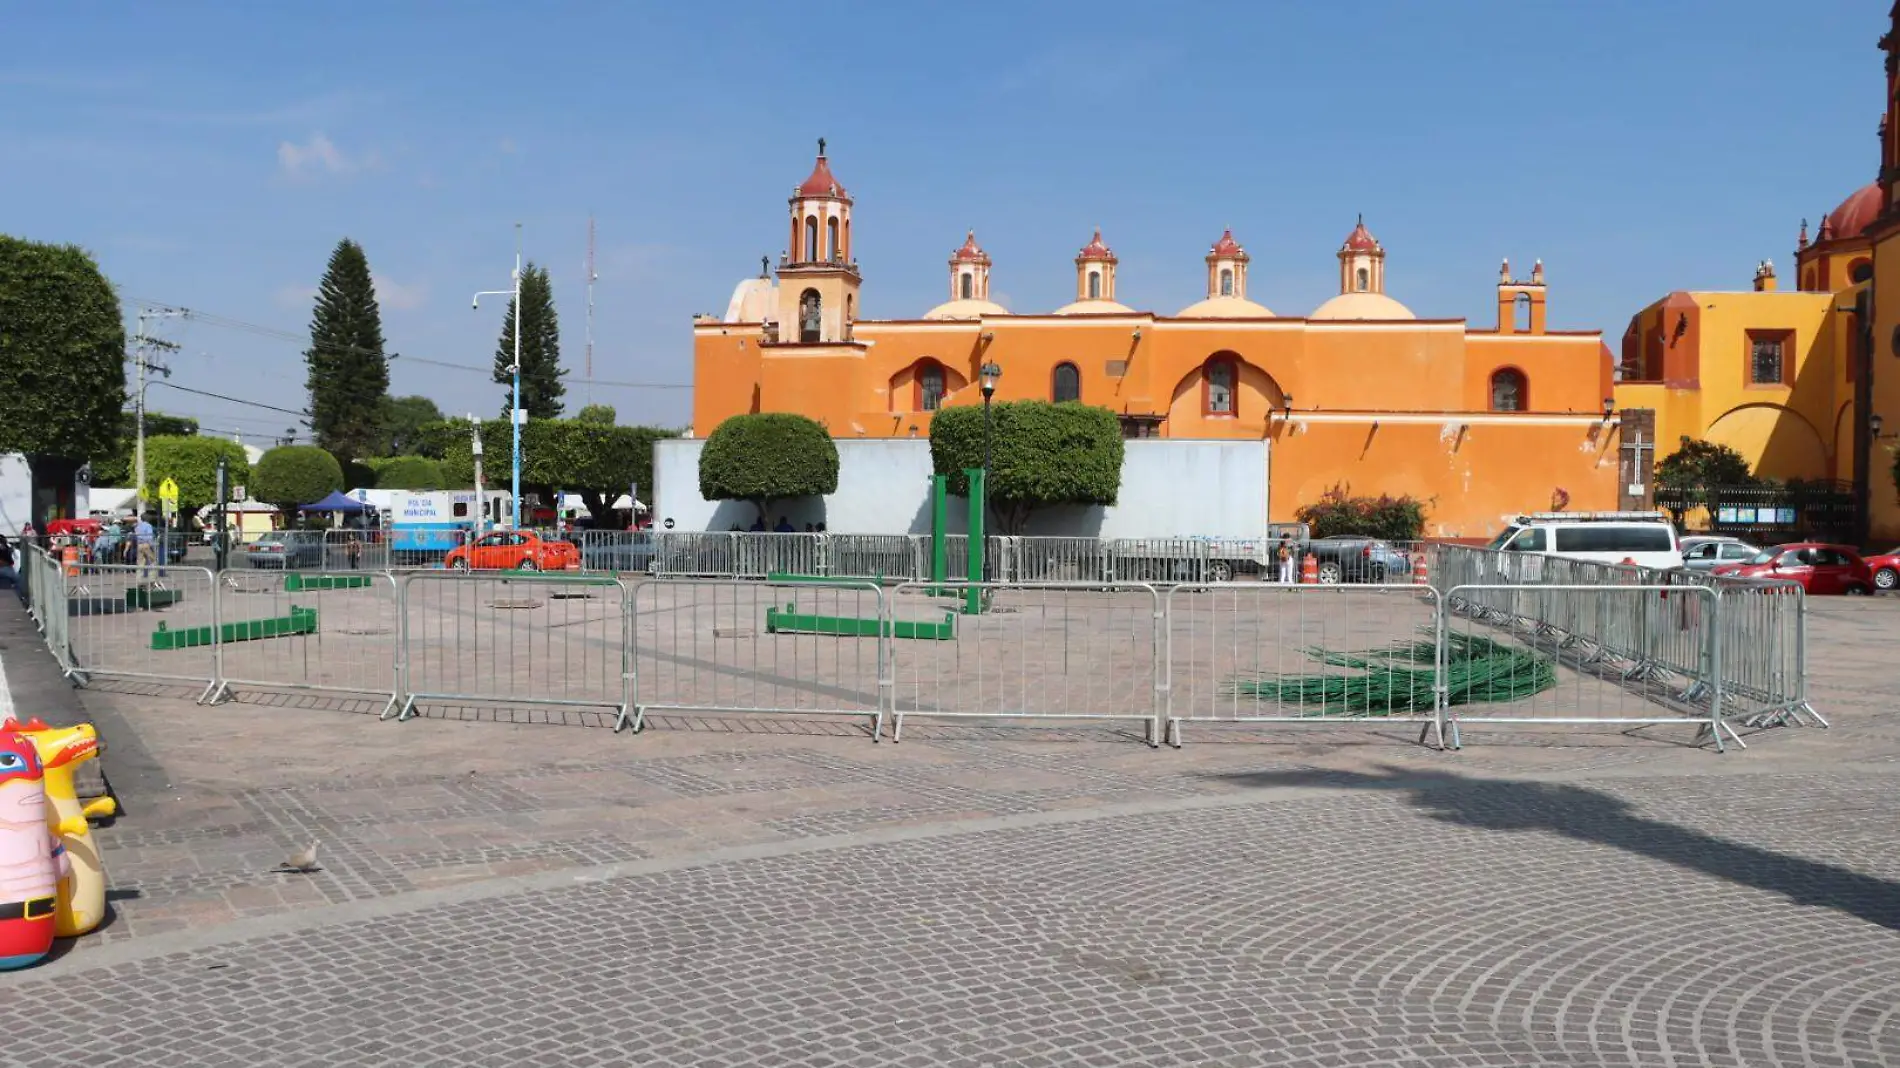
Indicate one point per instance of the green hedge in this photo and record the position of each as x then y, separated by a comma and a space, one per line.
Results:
766, 457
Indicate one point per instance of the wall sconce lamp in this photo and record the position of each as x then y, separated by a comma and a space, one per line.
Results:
987, 336
1286, 403
1874, 423
1137, 333
1609, 408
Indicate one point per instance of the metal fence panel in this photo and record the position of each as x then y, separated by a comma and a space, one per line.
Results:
349, 646
1764, 653
356, 550
691, 554
726, 645
45, 589
155, 622
1274, 653
1058, 560
1044, 651
1584, 655
874, 556
542, 640
756, 555
614, 551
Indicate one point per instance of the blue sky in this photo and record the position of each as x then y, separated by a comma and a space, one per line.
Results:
212, 155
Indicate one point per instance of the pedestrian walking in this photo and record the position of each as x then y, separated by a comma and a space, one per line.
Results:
146, 539
1285, 557
355, 548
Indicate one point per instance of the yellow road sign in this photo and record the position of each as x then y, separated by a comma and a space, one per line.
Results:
168, 491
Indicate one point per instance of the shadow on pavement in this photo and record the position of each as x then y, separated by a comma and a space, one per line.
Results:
1594, 816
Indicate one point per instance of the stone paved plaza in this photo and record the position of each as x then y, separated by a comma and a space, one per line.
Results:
506, 886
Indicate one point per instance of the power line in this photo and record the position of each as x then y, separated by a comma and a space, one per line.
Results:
234, 400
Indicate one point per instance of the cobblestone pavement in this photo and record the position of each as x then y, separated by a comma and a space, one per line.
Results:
501, 886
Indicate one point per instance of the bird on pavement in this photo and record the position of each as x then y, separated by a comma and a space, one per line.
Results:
303, 862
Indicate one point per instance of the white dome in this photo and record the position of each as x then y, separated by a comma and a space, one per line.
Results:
1225, 308
966, 309
753, 301
1362, 306
1094, 307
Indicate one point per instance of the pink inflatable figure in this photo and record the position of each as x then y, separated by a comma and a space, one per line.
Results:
32, 860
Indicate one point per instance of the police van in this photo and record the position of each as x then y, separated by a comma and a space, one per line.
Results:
1646, 539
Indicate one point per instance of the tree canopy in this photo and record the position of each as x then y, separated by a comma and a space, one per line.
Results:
1700, 464
348, 372
596, 413
62, 357
292, 475
541, 371
765, 457
192, 461
403, 420
115, 467
1044, 454
596, 462
1385, 516
410, 473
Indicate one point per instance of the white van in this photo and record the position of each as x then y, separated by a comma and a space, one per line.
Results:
1646, 539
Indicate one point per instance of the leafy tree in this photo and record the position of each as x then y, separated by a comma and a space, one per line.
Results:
1700, 464
541, 372
403, 420
1338, 512
62, 352
596, 413
411, 473
348, 372
599, 463
115, 468
192, 462
1044, 454
765, 457
292, 475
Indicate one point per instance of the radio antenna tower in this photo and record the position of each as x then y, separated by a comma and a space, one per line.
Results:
591, 276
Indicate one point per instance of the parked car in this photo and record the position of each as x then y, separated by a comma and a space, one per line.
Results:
1646, 539
518, 550
1705, 552
1820, 569
1886, 569
625, 551
1355, 558
284, 549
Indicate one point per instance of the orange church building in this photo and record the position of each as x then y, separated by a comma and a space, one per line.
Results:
1360, 392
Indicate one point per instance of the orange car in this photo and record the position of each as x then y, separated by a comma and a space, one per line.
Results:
518, 550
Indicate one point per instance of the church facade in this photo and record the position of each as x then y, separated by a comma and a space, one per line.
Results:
1359, 393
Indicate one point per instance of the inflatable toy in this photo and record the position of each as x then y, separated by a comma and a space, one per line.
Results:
32, 861
82, 896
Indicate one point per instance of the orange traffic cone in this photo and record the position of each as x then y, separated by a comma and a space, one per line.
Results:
1421, 571
70, 557
1309, 570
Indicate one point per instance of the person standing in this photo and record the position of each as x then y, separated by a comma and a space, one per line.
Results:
7, 569
1285, 555
147, 539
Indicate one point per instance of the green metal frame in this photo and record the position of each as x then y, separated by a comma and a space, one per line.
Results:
299, 621
296, 582
792, 621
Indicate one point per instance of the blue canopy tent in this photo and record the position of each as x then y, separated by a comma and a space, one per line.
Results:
336, 502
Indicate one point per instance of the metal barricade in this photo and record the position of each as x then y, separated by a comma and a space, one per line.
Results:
1583, 655
615, 552
332, 631
756, 555
518, 639
693, 554
1274, 653
1158, 560
1058, 560
1764, 653
873, 556
1045, 651
703, 646
356, 550
46, 599
154, 622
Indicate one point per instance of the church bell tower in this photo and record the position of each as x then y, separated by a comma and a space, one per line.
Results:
817, 276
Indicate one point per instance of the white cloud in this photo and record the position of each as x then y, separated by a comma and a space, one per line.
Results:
294, 297
317, 156
393, 294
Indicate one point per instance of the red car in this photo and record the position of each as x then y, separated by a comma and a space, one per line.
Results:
1886, 569
1818, 567
519, 550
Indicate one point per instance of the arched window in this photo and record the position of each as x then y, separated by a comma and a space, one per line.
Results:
1509, 391
929, 387
1860, 271
811, 239
810, 316
1226, 281
1365, 279
969, 285
1521, 312
1065, 384
1095, 285
1217, 386
831, 238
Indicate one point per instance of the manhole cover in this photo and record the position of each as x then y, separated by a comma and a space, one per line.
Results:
560, 596
523, 603
360, 631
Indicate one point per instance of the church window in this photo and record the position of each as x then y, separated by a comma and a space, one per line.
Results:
929, 387
1521, 312
810, 316
811, 239
1217, 387
831, 239
1364, 279
1767, 356
1095, 285
1226, 282
1509, 391
1065, 384
969, 286
1860, 271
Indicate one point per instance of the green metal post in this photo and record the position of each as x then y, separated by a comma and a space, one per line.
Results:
939, 518
973, 597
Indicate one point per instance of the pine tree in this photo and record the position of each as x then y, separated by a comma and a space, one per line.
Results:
541, 371
348, 370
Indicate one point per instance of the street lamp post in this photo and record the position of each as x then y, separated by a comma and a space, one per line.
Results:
475, 450
514, 405
989, 372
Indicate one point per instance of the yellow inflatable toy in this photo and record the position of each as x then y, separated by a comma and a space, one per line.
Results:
82, 894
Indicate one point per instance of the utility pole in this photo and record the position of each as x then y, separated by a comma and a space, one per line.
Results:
591, 276
481, 496
143, 345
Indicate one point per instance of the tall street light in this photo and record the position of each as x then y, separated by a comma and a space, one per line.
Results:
514, 406
989, 372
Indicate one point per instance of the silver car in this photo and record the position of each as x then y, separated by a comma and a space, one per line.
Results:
1701, 552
